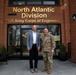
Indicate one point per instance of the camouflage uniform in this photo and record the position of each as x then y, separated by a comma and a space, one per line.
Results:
47, 45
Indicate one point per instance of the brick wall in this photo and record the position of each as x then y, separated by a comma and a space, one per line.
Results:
66, 23
3, 29
73, 30
1, 19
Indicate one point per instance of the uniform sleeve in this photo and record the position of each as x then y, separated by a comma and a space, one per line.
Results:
53, 42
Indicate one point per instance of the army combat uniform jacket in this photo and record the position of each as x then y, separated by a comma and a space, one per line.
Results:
48, 43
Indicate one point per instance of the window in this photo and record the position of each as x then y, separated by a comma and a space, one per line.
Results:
33, 2
48, 2
17, 2
14, 35
51, 2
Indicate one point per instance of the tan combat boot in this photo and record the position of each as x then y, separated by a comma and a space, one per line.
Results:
49, 71
45, 69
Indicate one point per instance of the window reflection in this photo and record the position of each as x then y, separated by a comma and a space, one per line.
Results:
49, 2
19, 3
33, 2
17, 37
14, 35
55, 30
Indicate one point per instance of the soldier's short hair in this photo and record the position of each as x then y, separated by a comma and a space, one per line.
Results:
34, 26
45, 29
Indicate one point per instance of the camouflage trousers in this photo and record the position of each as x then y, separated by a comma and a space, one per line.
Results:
48, 59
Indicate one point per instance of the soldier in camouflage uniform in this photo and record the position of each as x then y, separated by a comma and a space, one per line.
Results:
48, 46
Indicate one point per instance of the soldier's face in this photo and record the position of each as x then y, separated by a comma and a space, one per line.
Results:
45, 31
34, 28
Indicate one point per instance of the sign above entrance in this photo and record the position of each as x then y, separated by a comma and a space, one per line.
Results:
34, 14
33, 9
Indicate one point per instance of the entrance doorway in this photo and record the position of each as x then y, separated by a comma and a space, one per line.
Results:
17, 39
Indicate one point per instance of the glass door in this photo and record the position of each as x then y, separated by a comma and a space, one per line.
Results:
14, 48
24, 51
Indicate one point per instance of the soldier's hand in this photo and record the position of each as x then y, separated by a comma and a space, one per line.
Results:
38, 48
53, 50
